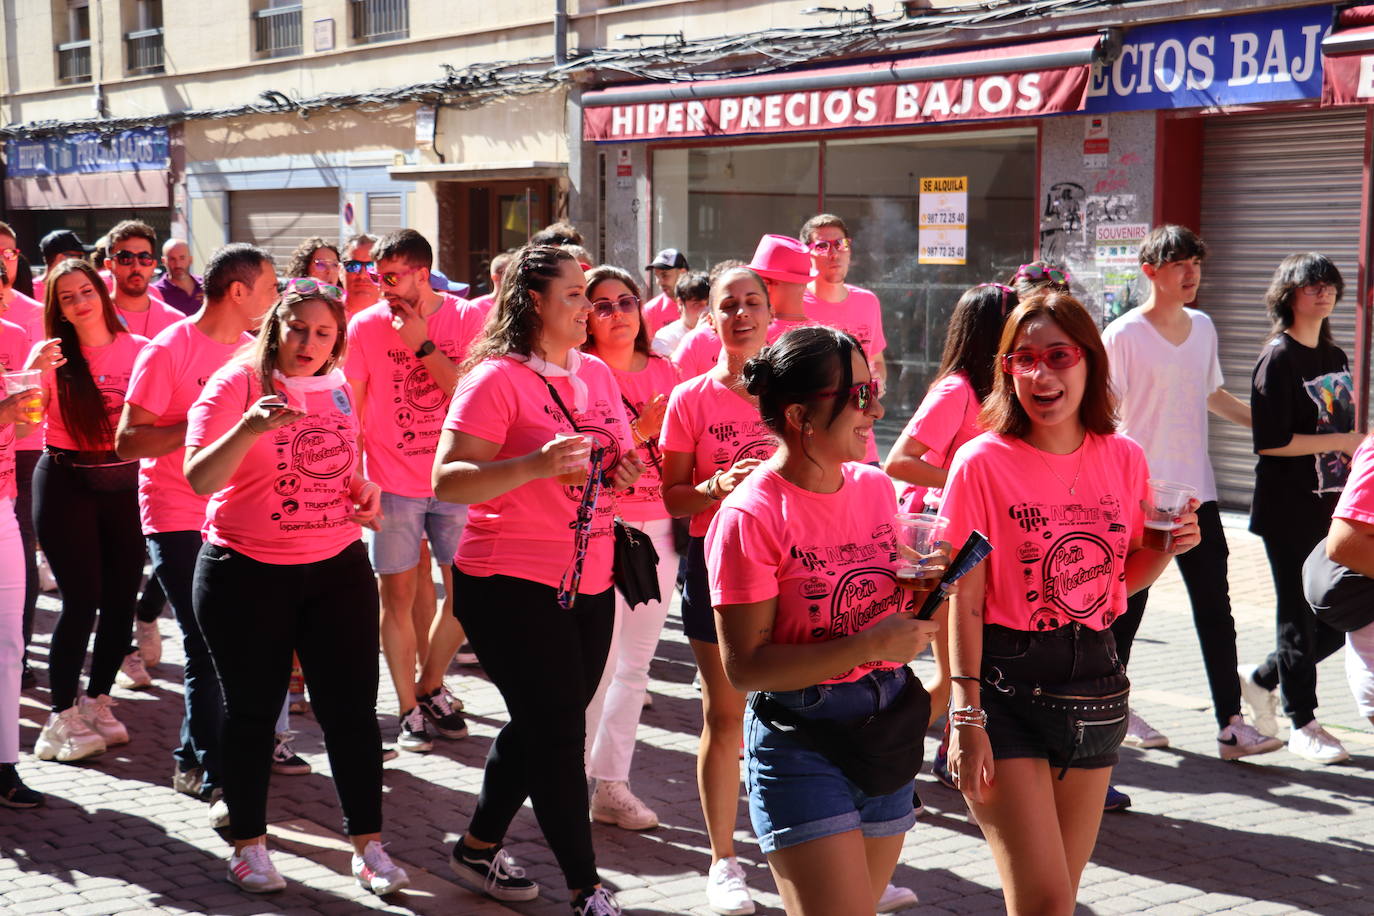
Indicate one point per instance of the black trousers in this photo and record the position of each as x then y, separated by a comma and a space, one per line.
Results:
253, 616
1204, 574
94, 545
547, 663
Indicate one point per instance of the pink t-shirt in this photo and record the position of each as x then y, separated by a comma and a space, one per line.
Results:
111, 366
14, 350
28, 314
1357, 499
830, 559
527, 532
644, 501
859, 313
483, 304
169, 375
699, 350
716, 426
946, 419
404, 408
288, 502
659, 311
1058, 558
153, 321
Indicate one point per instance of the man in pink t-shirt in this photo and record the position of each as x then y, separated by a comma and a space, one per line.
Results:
668, 266
240, 285
485, 303
403, 357
131, 262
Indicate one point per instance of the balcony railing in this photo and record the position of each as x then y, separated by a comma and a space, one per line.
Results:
145, 51
380, 20
278, 31
74, 62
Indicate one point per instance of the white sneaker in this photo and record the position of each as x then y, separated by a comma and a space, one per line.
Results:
1240, 739
98, 715
66, 737
254, 872
376, 872
614, 803
149, 641
896, 898
726, 892
1263, 705
1314, 743
1140, 733
218, 815
131, 674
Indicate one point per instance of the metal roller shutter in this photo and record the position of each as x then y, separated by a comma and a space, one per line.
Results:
1272, 185
278, 221
383, 213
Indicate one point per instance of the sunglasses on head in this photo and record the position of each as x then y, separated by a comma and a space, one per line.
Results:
860, 395
605, 308
826, 247
1038, 272
124, 258
309, 286
1023, 362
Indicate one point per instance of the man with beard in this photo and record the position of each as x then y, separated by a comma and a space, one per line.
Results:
131, 262
178, 287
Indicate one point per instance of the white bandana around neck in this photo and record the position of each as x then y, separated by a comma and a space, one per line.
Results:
301, 385
549, 370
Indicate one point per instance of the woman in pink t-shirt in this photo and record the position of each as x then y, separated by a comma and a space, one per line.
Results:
713, 438
85, 509
617, 334
532, 579
1059, 493
273, 439
803, 560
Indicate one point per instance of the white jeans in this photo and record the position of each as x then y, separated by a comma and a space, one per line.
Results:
613, 715
1359, 667
11, 630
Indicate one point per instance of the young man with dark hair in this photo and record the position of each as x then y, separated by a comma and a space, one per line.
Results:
693, 294
131, 262
668, 267
1167, 377
497, 271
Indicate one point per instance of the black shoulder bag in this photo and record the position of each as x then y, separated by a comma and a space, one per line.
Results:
636, 561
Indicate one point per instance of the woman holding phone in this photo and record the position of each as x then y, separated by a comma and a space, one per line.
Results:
1030, 635
273, 441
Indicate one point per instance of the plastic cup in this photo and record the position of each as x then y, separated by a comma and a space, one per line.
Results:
576, 477
31, 408
1166, 500
921, 562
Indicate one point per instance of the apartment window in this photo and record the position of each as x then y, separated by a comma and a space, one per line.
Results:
278, 29
144, 42
380, 20
74, 44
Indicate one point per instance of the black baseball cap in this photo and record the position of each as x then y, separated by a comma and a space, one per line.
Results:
61, 241
668, 259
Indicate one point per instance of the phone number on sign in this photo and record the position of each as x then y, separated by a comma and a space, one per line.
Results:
942, 251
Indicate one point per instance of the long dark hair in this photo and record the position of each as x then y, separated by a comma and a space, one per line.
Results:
1293, 273
83, 407
514, 324
262, 356
975, 327
602, 273
1002, 411
801, 364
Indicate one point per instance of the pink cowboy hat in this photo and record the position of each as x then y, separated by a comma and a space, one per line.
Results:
780, 257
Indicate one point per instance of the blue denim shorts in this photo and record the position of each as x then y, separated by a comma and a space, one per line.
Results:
698, 615
795, 793
408, 519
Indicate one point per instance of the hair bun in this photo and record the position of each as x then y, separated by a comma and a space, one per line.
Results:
758, 373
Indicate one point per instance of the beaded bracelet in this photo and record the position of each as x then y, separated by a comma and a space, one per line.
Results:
968, 715
965, 677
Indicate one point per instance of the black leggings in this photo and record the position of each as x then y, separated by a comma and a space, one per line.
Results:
24, 463
547, 663
94, 545
253, 616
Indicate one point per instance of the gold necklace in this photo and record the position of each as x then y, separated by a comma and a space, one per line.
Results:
1071, 487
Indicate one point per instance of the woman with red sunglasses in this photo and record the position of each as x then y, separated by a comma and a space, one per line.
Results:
803, 568
1039, 696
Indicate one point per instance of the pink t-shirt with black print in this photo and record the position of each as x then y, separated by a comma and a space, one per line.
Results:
14, 350
700, 349
528, 532
1058, 557
288, 502
110, 366
158, 317
946, 419
830, 559
644, 501
716, 426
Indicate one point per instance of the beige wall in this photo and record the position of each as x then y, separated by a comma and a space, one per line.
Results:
528, 127
321, 133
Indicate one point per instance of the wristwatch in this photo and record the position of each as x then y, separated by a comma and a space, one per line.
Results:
426, 348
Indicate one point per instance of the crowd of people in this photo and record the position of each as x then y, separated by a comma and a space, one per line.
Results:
293, 455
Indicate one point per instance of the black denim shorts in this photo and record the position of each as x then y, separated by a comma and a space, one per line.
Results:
1014, 661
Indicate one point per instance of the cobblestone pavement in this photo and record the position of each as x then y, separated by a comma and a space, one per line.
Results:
1277, 835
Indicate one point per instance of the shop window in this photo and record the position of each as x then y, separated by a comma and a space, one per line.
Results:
143, 43
277, 29
380, 20
74, 43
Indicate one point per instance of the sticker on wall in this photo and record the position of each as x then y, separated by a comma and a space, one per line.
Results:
624, 169
943, 220
1117, 257
1096, 143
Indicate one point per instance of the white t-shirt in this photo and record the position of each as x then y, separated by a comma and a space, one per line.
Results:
668, 337
1163, 391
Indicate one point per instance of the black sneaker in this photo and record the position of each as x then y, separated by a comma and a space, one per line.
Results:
13, 792
27, 679
596, 902
493, 871
414, 736
439, 709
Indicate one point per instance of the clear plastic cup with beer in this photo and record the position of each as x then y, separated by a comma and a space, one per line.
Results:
921, 561
577, 476
31, 407
1166, 500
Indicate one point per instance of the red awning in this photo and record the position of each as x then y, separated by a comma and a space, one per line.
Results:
1048, 77
1348, 59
